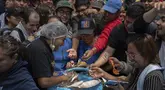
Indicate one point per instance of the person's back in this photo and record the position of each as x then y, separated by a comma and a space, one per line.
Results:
18, 78
13, 73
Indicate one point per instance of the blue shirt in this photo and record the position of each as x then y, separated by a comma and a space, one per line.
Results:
61, 55
18, 78
83, 47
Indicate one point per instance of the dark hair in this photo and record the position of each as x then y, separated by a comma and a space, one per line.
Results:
16, 12
27, 12
82, 2
135, 10
44, 12
9, 45
146, 46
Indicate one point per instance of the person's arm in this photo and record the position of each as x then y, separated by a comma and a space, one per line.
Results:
102, 40
46, 82
150, 15
104, 56
123, 67
75, 43
75, 39
141, 24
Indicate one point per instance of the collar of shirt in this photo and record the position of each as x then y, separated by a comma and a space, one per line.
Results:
21, 27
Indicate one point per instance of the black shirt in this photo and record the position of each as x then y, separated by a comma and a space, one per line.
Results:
40, 59
117, 40
120, 35
17, 78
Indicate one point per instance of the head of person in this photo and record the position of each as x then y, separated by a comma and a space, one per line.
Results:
81, 6
31, 20
44, 12
161, 27
20, 3
48, 2
142, 50
133, 12
34, 3
86, 28
53, 19
148, 4
9, 49
9, 3
112, 10
13, 17
97, 5
122, 14
64, 10
55, 34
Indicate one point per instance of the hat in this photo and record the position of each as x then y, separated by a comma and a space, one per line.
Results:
86, 26
64, 3
13, 12
97, 4
112, 6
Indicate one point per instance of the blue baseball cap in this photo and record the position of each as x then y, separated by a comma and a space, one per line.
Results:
112, 6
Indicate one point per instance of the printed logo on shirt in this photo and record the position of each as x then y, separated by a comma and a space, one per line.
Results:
85, 24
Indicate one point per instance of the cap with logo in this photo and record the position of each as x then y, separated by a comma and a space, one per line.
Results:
112, 6
86, 25
64, 3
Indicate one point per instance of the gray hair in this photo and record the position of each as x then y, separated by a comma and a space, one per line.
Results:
54, 30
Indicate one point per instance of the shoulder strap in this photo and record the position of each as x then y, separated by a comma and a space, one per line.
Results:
3, 31
144, 73
21, 35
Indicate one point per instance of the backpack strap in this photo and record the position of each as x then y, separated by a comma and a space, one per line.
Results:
145, 72
5, 31
21, 35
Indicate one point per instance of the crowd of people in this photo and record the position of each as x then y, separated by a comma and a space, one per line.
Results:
120, 40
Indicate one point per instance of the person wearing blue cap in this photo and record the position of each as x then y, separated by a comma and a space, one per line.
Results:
110, 20
137, 22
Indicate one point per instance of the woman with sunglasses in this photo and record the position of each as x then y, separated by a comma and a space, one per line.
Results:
146, 73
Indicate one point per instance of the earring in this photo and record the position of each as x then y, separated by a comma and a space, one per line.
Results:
52, 46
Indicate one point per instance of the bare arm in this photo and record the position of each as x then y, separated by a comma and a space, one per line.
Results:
105, 56
47, 82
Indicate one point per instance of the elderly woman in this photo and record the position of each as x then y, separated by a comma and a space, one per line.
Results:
146, 74
40, 54
13, 72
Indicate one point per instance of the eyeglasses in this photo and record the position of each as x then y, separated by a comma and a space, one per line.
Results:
62, 12
131, 54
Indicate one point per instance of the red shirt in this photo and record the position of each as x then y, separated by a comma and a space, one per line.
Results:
103, 37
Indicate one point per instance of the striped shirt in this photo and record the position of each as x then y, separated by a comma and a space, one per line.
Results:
153, 81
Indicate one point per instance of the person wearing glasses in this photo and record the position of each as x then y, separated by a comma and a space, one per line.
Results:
146, 73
